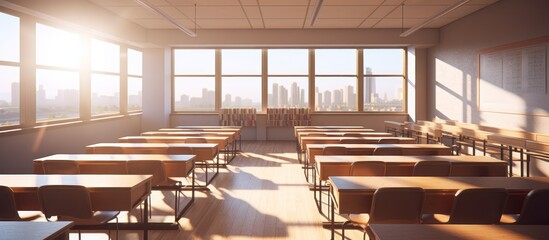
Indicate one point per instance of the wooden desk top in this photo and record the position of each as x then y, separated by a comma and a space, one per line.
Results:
450, 184
329, 160
327, 127
33, 230
374, 146
479, 166
117, 157
174, 165
107, 192
230, 130
221, 140
154, 145
334, 130
537, 146
230, 135
208, 127
507, 140
458, 232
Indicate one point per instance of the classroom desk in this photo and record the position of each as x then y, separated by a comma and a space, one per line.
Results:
107, 193
203, 151
354, 194
174, 166
305, 140
341, 134
300, 128
221, 141
232, 136
208, 127
35, 230
536, 149
234, 131
368, 149
458, 232
473, 166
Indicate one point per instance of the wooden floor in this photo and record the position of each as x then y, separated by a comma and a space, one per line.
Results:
262, 194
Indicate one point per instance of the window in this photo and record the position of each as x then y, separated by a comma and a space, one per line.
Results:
194, 81
335, 79
105, 78
9, 70
57, 76
383, 80
288, 78
241, 78
57, 95
135, 80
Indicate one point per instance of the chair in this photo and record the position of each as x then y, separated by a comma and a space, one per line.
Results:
159, 179
388, 151
73, 203
334, 150
388, 207
388, 141
474, 206
367, 168
8, 207
535, 210
432, 168
60, 167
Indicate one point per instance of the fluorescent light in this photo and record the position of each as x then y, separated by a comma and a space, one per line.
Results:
153, 9
433, 18
315, 13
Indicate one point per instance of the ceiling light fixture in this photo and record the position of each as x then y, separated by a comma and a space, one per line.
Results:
317, 9
155, 10
433, 18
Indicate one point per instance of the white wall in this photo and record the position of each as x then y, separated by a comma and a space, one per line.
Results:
452, 63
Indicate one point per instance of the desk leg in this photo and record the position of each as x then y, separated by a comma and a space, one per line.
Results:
332, 219
146, 220
510, 161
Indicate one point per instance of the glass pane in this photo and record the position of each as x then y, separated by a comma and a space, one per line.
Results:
9, 40
57, 95
194, 93
135, 97
286, 92
135, 62
56, 47
241, 61
383, 94
335, 61
105, 90
289, 61
9, 95
194, 61
383, 61
105, 56
241, 92
335, 94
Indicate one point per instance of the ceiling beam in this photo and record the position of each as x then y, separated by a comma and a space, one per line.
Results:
433, 18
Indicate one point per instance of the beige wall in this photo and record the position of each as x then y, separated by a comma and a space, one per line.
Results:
452, 64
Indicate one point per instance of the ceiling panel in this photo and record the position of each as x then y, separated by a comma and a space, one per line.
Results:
346, 11
291, 14
283, 11
283, 23
213, 11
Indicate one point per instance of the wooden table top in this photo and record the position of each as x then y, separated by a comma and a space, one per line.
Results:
328, 127
374, 146
458, 232
329, 160
327, 166
231, 135
154, 145
305, 140
117, 157
208, 127
230, 130
450, 184
107, 192
33, 230
221, 140
174, 165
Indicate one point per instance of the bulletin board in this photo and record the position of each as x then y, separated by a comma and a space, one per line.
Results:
513, 78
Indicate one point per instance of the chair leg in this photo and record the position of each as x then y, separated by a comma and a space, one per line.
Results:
343, 229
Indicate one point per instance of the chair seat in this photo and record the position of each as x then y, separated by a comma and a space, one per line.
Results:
31, 215
509, 218
434, 218
360, 219
99, 217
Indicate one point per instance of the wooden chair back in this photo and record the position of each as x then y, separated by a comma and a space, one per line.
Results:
478, 206
432, 168
397, 205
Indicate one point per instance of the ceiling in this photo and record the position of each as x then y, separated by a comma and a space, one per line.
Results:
290, 14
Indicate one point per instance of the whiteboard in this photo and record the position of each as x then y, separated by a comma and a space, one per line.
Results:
514, 79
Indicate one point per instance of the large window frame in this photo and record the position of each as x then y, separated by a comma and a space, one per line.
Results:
28, 68
14, 64
310, 94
